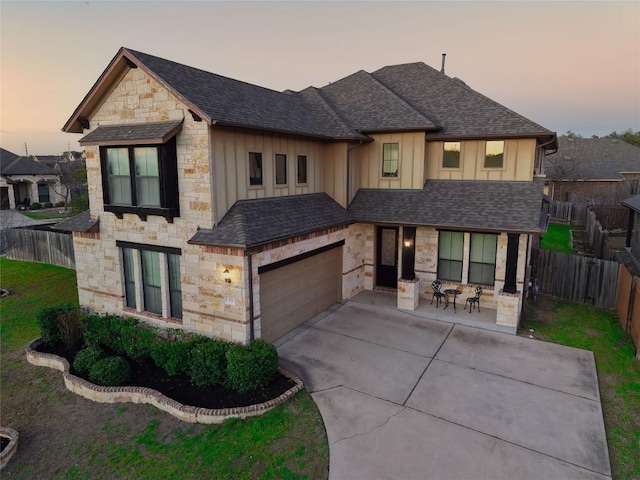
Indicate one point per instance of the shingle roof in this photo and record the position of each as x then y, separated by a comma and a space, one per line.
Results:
142, 132
458, 204
25, 166
80, 223
449, 102
254, 222
6, 156
592, 158
632, 202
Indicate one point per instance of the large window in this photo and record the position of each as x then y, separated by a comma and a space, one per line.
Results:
482, 258
451, 155
158, 271
494, 154
43, 193
255, 169
141, 179
281, 169
390, 156
302, 169
450, 252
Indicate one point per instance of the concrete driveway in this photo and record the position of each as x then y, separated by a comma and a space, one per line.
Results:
406, 397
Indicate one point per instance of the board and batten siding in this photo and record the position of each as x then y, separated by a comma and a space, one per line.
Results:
410, 165
519, 158
230, 154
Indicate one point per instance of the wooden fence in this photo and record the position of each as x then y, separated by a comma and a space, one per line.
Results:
576, 278
40, 244
628, 306
565, 212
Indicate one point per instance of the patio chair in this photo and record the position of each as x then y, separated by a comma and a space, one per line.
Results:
474, 301
437, 293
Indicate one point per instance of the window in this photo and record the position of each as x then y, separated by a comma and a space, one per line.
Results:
141, 179
390, 155
255, 169
451, 155
281, 169
450, 251
129, 277
43, 193
158, 271
482, 258
302, 169
494, 154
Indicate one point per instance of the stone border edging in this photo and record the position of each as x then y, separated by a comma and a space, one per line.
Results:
187, 413
11, 448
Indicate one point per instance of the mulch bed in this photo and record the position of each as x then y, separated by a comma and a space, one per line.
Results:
4, 441
180, 389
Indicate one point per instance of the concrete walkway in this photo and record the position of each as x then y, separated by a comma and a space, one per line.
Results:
404, 397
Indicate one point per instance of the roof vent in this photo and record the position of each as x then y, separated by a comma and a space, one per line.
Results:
459, 80
444, 56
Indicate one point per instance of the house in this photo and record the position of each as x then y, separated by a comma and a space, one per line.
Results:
240, 212
592, 171
24, 181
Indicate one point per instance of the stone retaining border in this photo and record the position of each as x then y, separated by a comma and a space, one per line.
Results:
187, 413
11, 448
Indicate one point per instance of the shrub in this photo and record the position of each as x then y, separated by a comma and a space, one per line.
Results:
61, 204
251, 367
110, 371
35, 206
49, 321
48, 205
86, 359
172, 356
207, 363
70, 326
95, 330
79, 204
141, 345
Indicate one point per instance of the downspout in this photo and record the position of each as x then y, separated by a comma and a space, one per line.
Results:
252, 333
349, 170
550, 153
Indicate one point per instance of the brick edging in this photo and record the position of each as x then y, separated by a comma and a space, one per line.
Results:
187, 413
11, 448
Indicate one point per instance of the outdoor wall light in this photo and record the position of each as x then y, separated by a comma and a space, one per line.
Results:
407, 243
226, 275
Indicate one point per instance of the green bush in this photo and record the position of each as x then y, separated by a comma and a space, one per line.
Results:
110, 371
80, 204
61, 204
207, 363
48, 205
50, 319
95, 330
140, 346
251, 367
35, 206
86, 359
172, 356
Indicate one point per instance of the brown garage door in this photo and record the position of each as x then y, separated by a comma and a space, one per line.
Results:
293, 293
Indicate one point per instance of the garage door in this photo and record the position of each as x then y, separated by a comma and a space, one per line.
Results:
293, 293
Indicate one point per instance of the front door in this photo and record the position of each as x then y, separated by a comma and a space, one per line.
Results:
387, 257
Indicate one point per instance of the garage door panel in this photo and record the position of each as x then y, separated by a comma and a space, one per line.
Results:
292, 294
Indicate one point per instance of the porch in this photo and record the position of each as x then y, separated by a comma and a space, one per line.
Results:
485, 319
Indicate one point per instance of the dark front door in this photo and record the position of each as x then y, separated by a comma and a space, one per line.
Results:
387, 257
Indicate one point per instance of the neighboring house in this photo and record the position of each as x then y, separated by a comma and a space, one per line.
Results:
71, 169
24, 181
592, 171
633, 227
240, 212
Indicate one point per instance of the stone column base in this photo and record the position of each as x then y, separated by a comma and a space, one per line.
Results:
408, 294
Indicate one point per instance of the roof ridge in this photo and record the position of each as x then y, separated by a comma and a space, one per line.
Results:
331, 108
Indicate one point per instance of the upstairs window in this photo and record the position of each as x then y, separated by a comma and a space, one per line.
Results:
450, 252
302, 169
255, 169
451, 155
141, 179
281, 169
390, 156
494, 154
482, 258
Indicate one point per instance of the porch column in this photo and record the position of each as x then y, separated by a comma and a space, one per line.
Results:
511, 270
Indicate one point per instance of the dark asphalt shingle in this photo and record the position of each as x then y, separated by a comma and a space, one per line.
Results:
255, 222
138, 132
80, 223
632, 202
25, 166
459, 204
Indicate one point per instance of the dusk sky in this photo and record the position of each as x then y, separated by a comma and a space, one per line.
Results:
566, 65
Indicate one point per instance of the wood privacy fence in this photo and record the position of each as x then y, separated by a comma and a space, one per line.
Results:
576, 278
598, 237
628, 306
40, 244
566, 212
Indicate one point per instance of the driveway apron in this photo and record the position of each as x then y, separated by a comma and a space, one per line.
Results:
407, 397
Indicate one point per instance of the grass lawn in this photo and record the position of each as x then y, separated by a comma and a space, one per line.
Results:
599, 330
64, 436
47, 214
558, 238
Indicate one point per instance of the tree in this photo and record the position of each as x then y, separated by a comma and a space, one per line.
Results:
628, 136
73, 178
